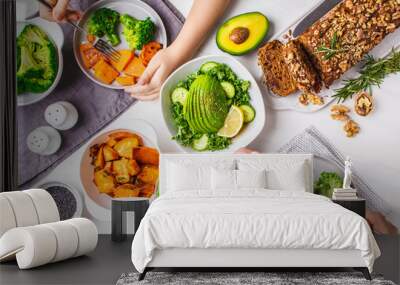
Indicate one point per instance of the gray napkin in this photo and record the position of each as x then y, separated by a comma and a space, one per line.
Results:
97, 106
312, 141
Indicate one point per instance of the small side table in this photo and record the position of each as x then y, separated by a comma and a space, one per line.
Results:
356, 205
119, 205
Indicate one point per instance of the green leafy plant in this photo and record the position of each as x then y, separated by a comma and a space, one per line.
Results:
373, 73
326, 182
333, 49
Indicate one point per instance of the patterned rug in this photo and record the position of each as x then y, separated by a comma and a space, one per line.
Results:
244, 278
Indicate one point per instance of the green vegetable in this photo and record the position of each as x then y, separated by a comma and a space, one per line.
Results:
333, 48
372, 74
326, 183
201, 143
207, 105
104, 22
229, 89
136, 32
248, 112
196, 109
207, 66
37, 61
179, 95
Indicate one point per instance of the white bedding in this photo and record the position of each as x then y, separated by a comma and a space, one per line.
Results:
252, 218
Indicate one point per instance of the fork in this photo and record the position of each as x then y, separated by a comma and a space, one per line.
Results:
99, 44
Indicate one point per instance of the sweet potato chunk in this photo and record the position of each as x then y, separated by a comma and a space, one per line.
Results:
149, 174
105, 72
99, 161
109, 153
90, 56
125, 80
135, 68
125, 146
122, 135
125, 57
126, 190
104, 181
146, 155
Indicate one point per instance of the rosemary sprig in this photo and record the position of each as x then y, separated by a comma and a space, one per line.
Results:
333, 48
373, 73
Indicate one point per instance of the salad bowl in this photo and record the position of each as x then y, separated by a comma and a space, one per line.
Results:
248, 133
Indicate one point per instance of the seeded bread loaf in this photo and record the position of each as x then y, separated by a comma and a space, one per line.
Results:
300, 67
358, 25
275, 69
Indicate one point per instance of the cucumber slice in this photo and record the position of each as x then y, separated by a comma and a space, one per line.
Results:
201, 143
248, 112
179, 95
207, 66
229, 89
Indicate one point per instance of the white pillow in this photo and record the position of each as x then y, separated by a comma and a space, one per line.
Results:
186, 174
251, 178
282, 174
223, 179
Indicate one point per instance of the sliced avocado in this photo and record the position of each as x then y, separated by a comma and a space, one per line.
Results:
242, 33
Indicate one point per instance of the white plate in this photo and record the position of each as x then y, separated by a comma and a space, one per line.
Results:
291, 102
55, 33
134, 8
251, 131
26, 9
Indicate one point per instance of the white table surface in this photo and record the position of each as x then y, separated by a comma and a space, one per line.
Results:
375, 151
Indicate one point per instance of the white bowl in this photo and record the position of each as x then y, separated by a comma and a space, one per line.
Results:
55, 33
250, 132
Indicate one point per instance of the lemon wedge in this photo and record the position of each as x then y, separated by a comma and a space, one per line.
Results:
233, 123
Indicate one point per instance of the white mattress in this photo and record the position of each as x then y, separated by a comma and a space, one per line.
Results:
251, 219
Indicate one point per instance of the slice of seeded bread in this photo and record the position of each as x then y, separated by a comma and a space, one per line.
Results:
301, 68
275, 69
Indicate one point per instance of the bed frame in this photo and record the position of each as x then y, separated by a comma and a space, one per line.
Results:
236, 259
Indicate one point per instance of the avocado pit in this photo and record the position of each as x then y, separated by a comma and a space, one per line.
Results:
239, 35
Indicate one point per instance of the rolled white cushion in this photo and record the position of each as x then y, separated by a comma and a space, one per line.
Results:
7, 218
23, 208
67, 240
251, 178
37, 245
87, 235
45, 205
32, 246
223, 179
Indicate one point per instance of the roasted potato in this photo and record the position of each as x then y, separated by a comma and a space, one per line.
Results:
147, 190
108, 167
123, 135
149, 174
109, 153
146, 155
104, 181
111, 142
99, 161
125, 146
126, 190
124, 169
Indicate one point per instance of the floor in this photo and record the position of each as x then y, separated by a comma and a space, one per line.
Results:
103, 266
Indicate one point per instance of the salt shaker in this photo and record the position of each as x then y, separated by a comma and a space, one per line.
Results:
61, 115
44, 140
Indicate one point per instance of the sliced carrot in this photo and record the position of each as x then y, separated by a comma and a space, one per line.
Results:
105, 72
135, 68
125, 57
126, 80
148, 51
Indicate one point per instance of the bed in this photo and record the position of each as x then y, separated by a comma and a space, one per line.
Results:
247, 211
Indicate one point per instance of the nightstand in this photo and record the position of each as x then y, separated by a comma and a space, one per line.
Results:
356, 205
120, 205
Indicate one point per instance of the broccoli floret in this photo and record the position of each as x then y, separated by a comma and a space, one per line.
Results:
104, 21
326, 183
136, 32
37, 61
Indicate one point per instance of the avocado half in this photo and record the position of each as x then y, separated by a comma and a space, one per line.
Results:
242, 33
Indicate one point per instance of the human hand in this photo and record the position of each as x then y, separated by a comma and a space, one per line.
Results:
60, 11
161, 65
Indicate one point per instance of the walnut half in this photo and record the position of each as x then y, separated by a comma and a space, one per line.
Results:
351, 128
363, 104
339, 112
